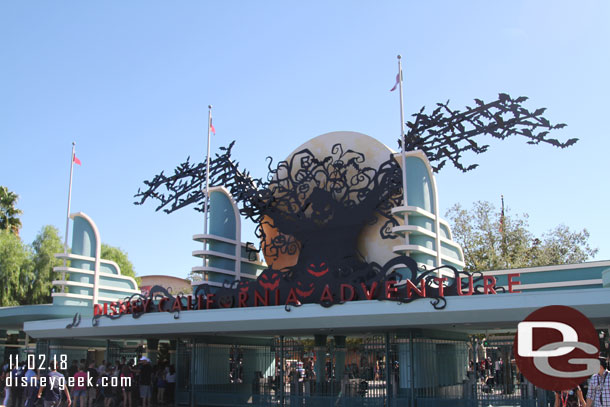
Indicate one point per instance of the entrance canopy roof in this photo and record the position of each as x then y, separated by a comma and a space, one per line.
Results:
494, 312
14, 317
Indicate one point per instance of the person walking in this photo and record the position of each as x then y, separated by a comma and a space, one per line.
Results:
126, 379
170, 379
73, 368
107, 391
598, 394
92, 390
161, 384
52, 390
31, 390
79, 391
8, 377
101, 368
17, 391
145, 373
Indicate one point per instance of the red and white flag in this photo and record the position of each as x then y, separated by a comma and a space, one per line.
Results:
397, 82
75, 159
212, 129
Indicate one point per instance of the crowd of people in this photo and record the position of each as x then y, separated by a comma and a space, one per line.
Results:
122, 384
594, 392
129, 384
487, 371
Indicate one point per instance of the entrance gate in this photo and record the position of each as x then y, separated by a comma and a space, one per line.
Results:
371, 371
116, 350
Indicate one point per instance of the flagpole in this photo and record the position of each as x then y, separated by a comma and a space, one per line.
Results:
63, 274
501, 228
502, 234
502, 214
402, 143
207, 175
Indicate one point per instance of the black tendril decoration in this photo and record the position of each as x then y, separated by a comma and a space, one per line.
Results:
137, 304
313, 208
75, 321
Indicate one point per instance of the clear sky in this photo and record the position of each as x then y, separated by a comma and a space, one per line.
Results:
130, 83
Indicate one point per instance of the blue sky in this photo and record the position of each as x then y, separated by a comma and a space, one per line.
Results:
130, 83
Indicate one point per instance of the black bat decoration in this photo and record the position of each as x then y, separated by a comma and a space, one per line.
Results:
446, 133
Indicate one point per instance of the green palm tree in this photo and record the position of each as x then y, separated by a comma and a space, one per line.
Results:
8, 213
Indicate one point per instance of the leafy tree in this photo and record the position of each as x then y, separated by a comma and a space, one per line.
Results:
39, 282
121, 258
561, 245
14, 263
26, 271
8, 213
493, 241
194, 276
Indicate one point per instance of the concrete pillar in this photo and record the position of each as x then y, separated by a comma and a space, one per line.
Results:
22, 341
389, 370
152, 346
43, 348
213, 357
507, 382
320, 350
172, 352
420, 360
3, 337
606, 278
183, 364
257, 359
404, 361
340, 353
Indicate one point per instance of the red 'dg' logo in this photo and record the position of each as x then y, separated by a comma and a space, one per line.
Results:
556, 348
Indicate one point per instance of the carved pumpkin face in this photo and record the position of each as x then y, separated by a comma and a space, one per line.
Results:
243, 286
226, 301
304, 290
318, 270
269, 279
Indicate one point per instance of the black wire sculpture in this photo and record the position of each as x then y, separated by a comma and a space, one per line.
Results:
137, 305
319, 205
446, 134
314, 208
